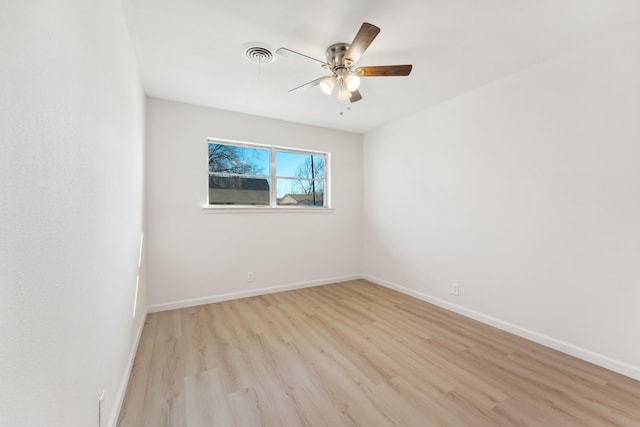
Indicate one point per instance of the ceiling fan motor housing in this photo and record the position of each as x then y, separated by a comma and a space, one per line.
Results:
336, 54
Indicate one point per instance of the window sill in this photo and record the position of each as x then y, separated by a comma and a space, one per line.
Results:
262, 209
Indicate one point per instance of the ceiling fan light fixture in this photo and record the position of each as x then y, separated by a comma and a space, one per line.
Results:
343, 93
353, 82
327, 84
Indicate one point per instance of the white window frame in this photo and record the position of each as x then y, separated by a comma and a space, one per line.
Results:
273, 204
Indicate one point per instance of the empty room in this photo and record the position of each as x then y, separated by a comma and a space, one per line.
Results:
339, 213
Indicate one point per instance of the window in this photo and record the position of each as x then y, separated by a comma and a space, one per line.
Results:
242, 174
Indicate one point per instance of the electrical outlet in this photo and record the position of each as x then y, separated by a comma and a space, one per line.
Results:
100, 406
455, 289
250, 276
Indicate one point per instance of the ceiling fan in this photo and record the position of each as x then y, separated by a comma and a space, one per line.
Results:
341, 60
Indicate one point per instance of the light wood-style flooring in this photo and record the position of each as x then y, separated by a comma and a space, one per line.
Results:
358, 354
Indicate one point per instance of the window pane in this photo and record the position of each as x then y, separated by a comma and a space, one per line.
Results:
299, 165
242, 160
299, 192
238, 190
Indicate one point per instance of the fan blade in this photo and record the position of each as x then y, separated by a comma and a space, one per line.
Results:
384, 70
355, 96
312, 83
283, 51
361, 42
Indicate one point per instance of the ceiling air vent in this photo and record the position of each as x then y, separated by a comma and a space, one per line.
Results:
258, 53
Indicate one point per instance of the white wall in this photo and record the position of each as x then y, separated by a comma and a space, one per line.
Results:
71, 210
527, 193
200, 256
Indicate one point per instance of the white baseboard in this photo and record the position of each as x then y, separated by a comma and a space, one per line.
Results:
122, 390
573, 350
248, 293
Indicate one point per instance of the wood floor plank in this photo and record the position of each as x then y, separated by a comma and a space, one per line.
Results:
164, 403
358, 354
131, 414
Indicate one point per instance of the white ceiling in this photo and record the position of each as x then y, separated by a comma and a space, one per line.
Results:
190, 50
